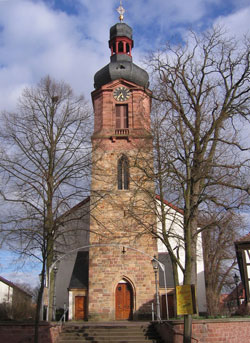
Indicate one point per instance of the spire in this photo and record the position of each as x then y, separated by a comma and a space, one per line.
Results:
121, 66
121, 11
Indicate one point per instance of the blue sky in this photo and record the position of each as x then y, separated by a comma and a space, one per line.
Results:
68, 39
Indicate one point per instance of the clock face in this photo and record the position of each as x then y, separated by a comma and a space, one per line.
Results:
121, 94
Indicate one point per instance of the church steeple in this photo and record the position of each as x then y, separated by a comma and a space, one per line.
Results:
121, 66
121, 42
121, 11
122, 156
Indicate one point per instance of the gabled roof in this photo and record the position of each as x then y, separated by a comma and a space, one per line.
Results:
11, 284
79, 278
169, 204
244, 239
77, 206
157, 197
235, 293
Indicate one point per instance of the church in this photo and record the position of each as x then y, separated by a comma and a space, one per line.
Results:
106, 271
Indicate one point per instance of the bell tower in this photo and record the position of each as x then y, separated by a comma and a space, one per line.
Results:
121, 279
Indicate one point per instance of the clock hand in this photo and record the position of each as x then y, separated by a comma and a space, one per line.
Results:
120, 96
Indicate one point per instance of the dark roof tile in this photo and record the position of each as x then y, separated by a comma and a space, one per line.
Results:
79, 278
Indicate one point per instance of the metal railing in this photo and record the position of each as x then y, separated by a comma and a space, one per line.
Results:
63, 317
122, 132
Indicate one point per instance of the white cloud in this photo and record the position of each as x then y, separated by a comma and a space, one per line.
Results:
36, 40
29, 278
13, 269
236, 24
167, 13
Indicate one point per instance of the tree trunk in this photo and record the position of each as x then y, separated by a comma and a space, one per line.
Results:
190, 275
187, 338
175, 274
38, 306
51, 295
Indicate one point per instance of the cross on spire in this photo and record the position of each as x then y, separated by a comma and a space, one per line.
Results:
121, 11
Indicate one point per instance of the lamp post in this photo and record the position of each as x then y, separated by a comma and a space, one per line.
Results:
155, 267
55, 270
236, 281
41, 310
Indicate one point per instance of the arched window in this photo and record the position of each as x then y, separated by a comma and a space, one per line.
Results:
123, 173
120, 47
127, 48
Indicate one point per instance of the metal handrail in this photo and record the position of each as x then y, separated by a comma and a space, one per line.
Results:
63, 317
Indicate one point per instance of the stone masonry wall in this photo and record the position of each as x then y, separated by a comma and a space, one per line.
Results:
121, 217
208, 331
116, 220
24, 333
109, 266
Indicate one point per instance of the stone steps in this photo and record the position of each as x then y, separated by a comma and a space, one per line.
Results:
109, 334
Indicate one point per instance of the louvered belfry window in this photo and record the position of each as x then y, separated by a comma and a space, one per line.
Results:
123, 173
121, 117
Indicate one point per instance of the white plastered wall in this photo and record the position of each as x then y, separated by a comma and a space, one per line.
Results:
70, 305
6, 293
174, 223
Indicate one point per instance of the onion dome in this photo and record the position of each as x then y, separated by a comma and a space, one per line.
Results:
121, 65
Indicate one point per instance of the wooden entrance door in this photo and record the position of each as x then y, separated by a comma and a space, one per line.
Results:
80, 304
124, 301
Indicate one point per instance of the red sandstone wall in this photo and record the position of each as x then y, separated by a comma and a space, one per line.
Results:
208, 331
24, 333
116, 215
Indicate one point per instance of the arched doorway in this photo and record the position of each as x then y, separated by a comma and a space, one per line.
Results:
124, 301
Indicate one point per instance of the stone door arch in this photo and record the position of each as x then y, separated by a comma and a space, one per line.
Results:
124, 301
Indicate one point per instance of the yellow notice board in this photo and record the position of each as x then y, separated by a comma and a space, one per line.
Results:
185, 296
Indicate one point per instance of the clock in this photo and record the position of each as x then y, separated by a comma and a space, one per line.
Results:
121, 94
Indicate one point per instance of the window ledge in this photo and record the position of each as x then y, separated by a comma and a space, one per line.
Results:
121, 133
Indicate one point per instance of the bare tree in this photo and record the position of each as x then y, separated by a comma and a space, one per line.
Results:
203, 90
221, 230
45, 166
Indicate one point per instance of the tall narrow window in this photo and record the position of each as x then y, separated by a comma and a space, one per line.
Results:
123, 173
127, 48
120, 47
121, 116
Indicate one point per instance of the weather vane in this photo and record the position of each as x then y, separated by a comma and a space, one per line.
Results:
121, 11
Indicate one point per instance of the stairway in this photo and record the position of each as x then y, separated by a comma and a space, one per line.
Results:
109, 333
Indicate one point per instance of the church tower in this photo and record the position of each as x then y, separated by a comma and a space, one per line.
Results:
121, 278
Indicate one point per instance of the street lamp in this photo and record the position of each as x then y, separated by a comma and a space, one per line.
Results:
236, 281
55, 270
41, 309
155, 267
